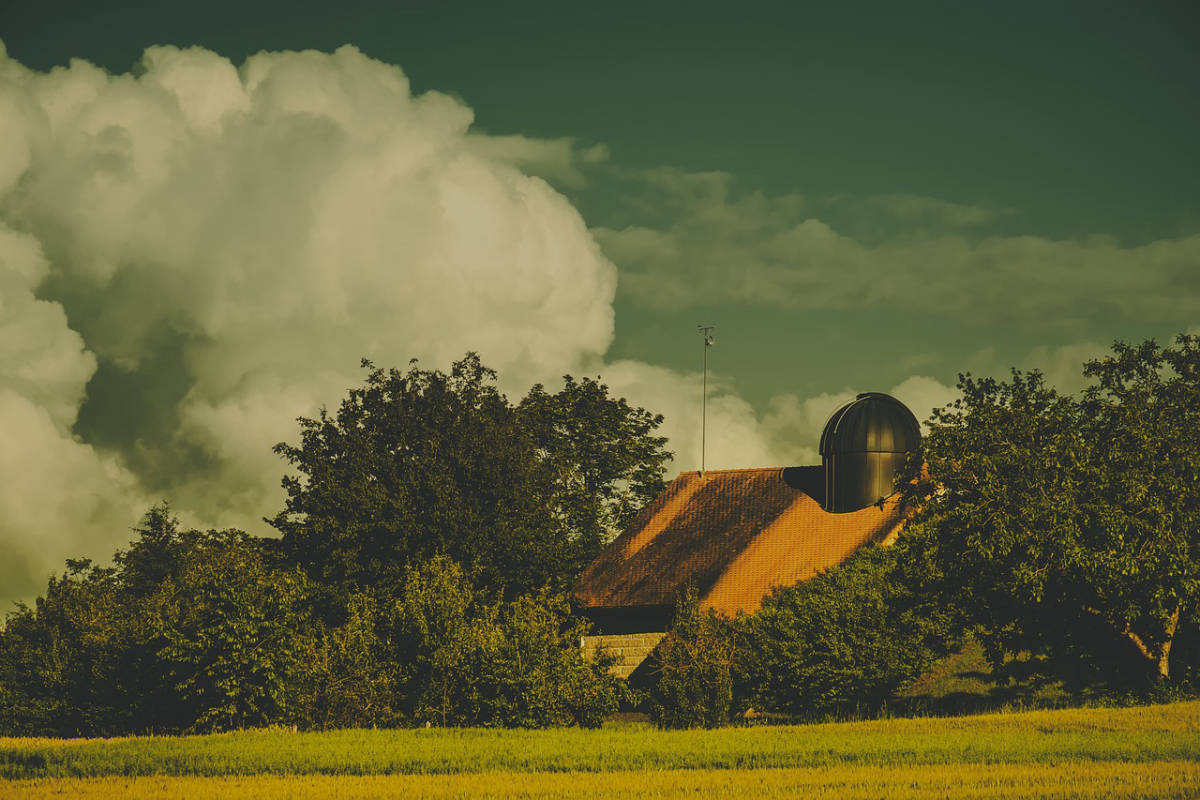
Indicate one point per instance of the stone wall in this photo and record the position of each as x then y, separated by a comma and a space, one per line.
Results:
631, 649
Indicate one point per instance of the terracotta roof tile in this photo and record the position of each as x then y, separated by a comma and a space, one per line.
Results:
734, 535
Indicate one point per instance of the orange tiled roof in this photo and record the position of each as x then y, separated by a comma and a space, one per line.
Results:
732, 534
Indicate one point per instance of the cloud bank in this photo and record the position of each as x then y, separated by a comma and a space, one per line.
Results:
195, 253
695, 240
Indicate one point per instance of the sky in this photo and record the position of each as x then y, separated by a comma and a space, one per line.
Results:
209, 213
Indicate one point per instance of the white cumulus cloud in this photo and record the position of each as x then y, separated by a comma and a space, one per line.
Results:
195, 253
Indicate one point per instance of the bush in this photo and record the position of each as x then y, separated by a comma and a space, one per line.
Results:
346, 679
843, 641
232, 633
190, 631
469, 661
692, 685
64, 663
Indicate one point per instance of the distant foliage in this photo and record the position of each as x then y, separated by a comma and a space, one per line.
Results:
691, 669
841, 642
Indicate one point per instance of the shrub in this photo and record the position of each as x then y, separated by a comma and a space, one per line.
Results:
232, 634
844, 640
346, 678
466, 660
63, 663
692, 684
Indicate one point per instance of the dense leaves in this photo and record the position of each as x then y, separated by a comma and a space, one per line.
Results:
63, 663
466, 660
692, 667
222, 639
846, 640
414, 465
606, 462
431, 527
1067, 527
421, 463
232, 635
426, 539
191, 631
347, 677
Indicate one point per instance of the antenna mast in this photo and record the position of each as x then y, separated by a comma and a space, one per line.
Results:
709, 341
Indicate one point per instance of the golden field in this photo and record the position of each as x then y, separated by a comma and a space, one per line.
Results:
1147, 751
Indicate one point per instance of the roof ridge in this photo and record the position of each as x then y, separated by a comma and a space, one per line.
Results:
725, 471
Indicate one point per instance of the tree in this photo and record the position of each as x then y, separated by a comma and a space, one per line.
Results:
83, 660
346, 677
421, 463
1068, 527
605, 460
232, 633
190, 630
414, 465
1143, 555
62, 662
845, 640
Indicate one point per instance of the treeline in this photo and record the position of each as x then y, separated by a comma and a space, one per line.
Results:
204, 631
431, 529
429, 533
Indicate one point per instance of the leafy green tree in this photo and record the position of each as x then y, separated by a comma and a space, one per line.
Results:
605, 459
155, 554
414, 465
1068, 527
1141, 576
232, 633
692, 669
422, 463
845, 640
84, 660
62, 662
435, 635
541, 676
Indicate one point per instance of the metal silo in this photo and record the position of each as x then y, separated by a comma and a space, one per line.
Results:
863, 446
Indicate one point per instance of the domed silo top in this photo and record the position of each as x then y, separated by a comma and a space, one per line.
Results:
873, 422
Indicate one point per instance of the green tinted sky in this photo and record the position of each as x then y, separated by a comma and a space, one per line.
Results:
1065, 120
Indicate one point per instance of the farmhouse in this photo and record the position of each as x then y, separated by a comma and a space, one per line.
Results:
734, 535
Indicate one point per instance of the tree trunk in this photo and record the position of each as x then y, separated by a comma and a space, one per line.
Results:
1160, 656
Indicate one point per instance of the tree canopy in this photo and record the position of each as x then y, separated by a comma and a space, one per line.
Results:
605, 461
1067, 526
422, 463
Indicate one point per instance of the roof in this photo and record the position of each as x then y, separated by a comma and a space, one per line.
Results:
733, 535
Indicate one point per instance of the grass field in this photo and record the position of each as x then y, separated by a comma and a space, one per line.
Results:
1148, 751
